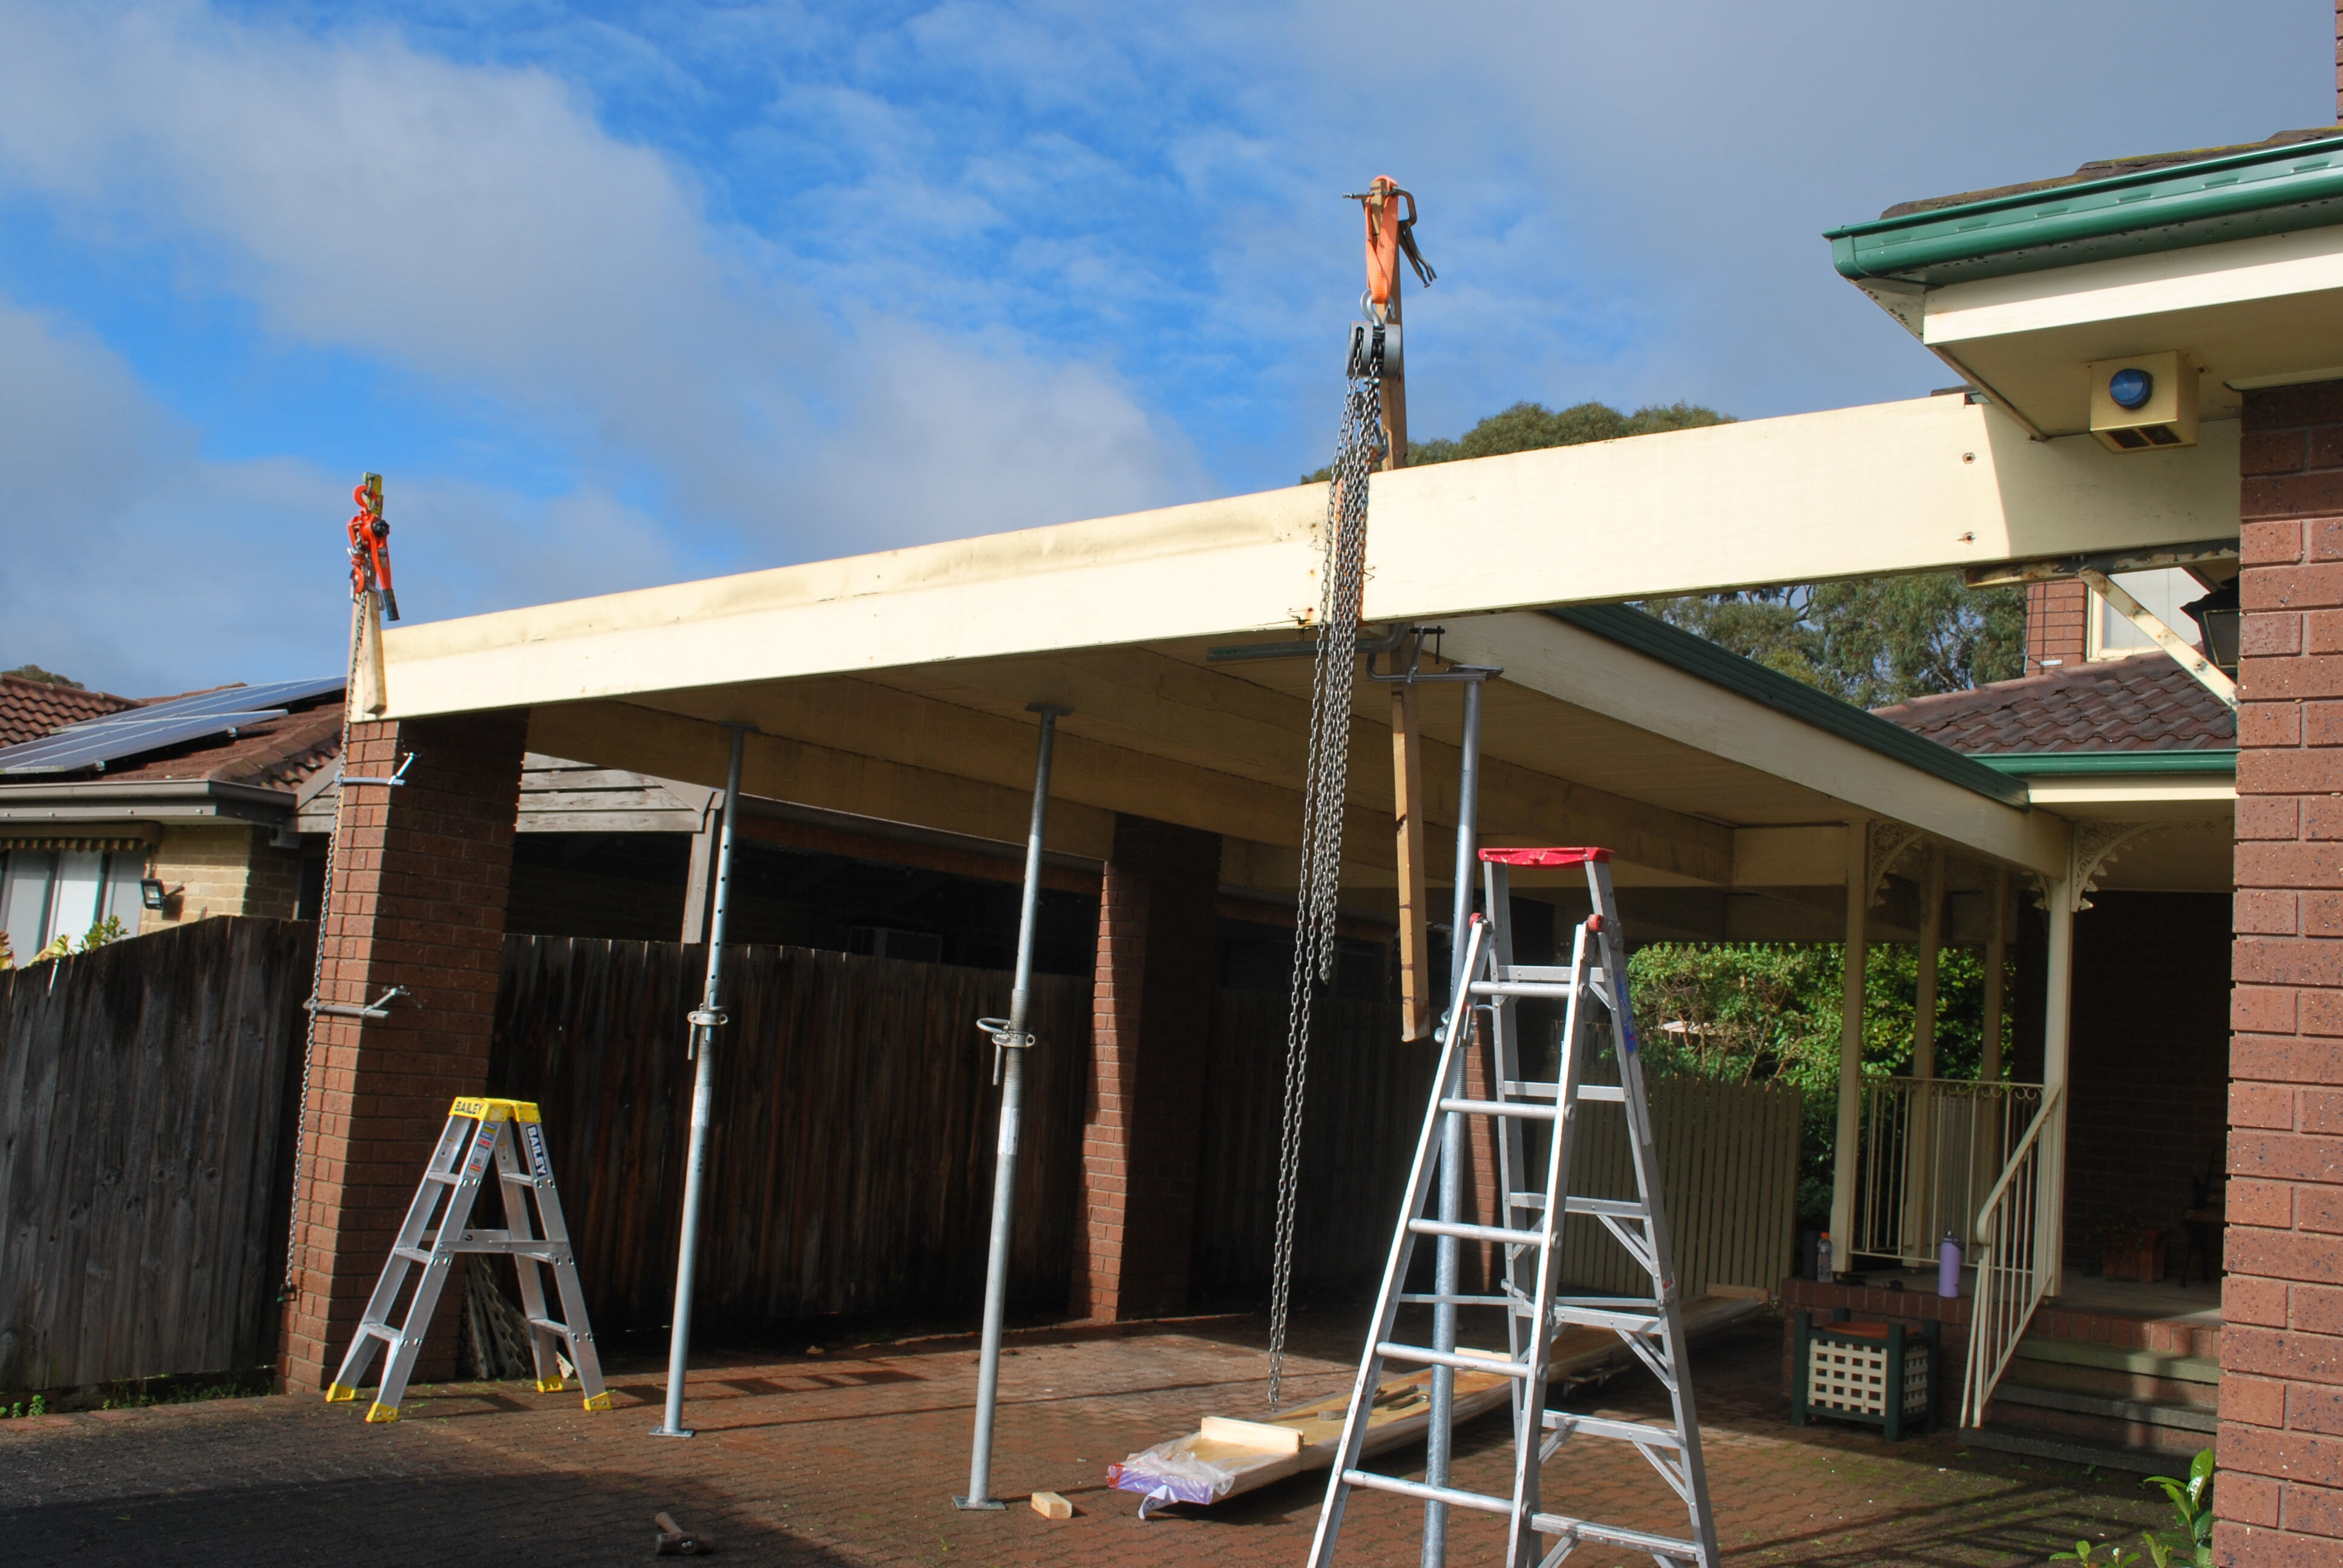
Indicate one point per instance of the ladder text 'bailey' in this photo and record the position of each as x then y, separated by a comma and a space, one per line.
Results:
482, 1134
1593, 992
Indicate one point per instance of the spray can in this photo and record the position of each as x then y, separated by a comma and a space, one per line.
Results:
1948, 1266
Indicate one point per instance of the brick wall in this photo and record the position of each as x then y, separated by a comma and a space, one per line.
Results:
420, 876
2281, 1438
2148, 1064
1142, 1121
221, 869
2057, 615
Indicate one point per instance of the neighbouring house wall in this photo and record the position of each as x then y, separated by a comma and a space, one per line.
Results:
2148, 1064
2280, 1499
2057, 624
221, 869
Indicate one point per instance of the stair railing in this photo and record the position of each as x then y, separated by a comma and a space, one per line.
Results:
2015, 1233
1930, 1149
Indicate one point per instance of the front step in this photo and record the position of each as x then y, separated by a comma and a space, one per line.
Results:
2103, 1400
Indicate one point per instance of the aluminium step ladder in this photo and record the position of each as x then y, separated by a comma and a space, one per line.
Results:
1592, 989
481, 1133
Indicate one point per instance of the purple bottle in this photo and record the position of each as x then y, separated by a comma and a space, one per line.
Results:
1948, 1266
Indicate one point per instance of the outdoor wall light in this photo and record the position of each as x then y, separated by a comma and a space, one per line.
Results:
2143, 402
2217, 616
151, 892
2131, 388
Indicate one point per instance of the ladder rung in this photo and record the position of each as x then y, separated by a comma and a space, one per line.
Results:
1617, 1208
1623, 1431
1432, 1299
1407, 1488
412, 1254
449, 1178
1477, 1232
1556, 990
1610, 1091
1613, 1535
1543, 971
1500, 1108
381, 1332
1533, 1089
1427, 1357
1598, 1317
1526, 1200
549, 1325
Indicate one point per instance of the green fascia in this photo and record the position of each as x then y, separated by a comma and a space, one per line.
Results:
2278, 190
1655, 639
2108, 764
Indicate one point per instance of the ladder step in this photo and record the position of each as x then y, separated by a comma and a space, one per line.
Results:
1464, 1232
550, 1326
1532, 1089
412, 1254
1617, 1208
1526, 1200
1406, 1488
1622, 1430
1433, 1299
447, 1178
1559, 990
1424, 1356
381, 1332
1598, 1317
1501, 1108
1606, 1091
1614, 1535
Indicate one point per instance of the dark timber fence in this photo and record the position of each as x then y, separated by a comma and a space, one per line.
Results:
852, 1153
143, 1166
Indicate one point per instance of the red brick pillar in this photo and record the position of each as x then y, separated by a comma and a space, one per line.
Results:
2057, 630
420, 876
2280, 1499
1158, 905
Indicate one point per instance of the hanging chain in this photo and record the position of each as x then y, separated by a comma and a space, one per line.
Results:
1325, 787
325, 896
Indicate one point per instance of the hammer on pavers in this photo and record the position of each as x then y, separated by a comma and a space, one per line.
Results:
675, 1540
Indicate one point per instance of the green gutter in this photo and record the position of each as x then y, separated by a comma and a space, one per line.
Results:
2108, 764
1655, 639
2273, 190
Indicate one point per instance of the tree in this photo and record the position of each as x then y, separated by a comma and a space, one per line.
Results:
46, 677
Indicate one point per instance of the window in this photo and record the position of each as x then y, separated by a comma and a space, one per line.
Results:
2161, 594
46, 893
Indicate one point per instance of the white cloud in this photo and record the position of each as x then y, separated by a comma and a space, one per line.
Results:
475, 224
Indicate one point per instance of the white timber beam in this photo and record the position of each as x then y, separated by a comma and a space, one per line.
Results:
1891, 487
1546, 655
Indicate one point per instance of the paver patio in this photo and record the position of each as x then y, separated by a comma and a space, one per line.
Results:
849, 1457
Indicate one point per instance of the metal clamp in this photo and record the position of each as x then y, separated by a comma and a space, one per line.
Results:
397, 777
1004, 1038
378, 1008
709, 1017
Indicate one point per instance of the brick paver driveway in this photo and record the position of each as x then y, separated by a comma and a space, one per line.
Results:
849, 1458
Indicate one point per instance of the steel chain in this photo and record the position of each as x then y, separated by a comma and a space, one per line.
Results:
1325, 788
317, 964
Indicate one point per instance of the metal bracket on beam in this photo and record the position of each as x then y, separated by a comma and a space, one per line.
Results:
2051, 568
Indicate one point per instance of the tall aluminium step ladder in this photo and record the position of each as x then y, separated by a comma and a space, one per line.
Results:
1593, 991
479, 1130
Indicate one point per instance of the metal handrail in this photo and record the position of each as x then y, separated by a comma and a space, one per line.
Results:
1995, 1325
1927, 1148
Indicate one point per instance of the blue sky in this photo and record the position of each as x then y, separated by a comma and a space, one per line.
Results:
616, 294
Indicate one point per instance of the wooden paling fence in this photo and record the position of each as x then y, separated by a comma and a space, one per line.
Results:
143, 1099
1728, 1155
852, 1153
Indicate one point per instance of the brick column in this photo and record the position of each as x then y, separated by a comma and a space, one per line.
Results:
1158, 905
2057, 619
2280, 1499
420, 876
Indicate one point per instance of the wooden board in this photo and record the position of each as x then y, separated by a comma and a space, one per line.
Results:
1241, 1452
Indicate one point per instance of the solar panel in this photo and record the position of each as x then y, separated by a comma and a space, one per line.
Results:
93, 742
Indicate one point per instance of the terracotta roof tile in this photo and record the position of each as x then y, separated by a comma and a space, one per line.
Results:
31, 708
2144, 702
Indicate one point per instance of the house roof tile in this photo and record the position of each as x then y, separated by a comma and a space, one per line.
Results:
31, 708
2144, 702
